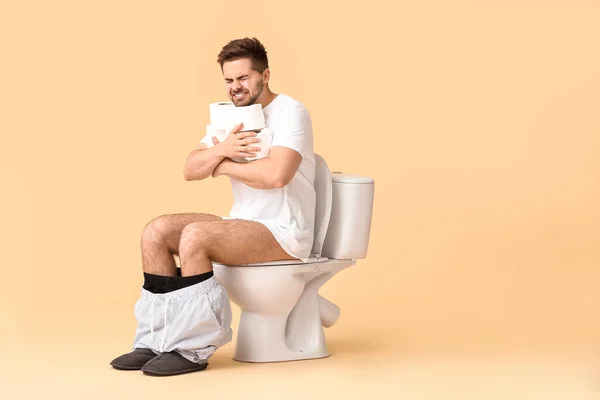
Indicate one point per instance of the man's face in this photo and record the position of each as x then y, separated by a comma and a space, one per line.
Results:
244, 85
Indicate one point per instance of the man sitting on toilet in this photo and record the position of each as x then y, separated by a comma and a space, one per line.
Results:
183, 314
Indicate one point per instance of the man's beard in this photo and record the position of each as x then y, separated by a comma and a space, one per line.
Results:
251, 100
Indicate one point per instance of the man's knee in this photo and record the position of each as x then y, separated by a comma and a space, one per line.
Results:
194, 238
156, 230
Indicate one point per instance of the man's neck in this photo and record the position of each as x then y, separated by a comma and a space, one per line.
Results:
266, 98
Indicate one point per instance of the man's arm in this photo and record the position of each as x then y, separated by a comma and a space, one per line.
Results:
201, 162
271, 172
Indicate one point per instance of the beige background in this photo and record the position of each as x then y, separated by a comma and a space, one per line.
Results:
479, 121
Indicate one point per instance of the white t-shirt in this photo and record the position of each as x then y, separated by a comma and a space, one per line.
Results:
288, 212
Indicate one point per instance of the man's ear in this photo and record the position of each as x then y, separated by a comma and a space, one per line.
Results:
266, 75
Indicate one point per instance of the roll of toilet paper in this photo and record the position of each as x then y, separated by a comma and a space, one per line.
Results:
211, 131
251, 116
266, 138
221, 114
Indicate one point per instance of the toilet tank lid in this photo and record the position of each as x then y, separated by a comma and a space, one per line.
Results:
340, 177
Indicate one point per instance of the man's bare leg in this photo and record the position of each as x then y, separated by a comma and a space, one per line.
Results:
160, 241
226, 242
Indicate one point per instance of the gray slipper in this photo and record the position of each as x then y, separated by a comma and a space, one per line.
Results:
133, 361
171, 363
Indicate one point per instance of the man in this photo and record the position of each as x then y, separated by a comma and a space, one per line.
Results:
183, 314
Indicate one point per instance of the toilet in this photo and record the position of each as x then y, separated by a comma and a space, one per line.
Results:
282, 314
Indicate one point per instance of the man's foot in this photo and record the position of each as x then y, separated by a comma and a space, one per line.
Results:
171, 363
133, 361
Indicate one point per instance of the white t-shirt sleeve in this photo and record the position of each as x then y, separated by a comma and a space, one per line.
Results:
294, 130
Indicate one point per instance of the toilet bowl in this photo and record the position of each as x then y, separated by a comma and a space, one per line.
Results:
282, 313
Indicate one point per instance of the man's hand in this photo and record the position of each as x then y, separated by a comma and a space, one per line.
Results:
237, 144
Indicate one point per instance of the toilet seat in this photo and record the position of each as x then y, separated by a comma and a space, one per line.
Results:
276, 263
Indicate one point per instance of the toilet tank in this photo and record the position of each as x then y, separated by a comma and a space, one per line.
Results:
350, 222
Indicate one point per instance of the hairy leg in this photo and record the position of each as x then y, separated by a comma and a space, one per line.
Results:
160, 241
226, 242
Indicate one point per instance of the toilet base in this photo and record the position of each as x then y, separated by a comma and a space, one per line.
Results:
262, 339
294, 335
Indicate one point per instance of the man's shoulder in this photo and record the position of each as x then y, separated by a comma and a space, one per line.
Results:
291, 103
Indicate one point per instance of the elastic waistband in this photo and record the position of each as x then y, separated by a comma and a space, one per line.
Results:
187, 293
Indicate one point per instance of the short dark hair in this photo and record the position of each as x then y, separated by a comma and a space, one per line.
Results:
245, 48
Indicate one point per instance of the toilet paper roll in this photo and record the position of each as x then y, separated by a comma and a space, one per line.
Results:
211, 131
251, 116
221, 114
266, 138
